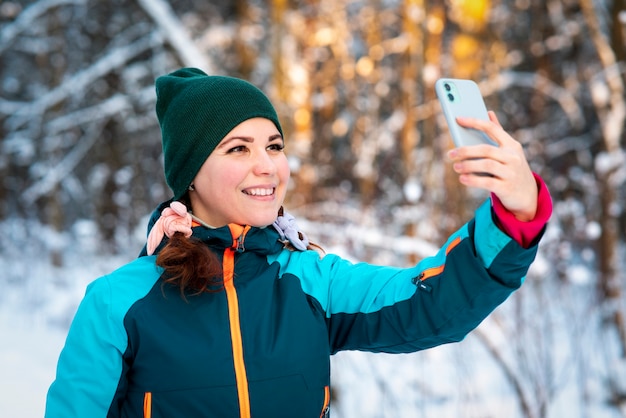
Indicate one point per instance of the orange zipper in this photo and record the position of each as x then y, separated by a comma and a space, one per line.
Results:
147, 405
434, 271
326, 402
233, 315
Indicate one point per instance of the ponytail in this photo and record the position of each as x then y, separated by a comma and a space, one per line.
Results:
190, 265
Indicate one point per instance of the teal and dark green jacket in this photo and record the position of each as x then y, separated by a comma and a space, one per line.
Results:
261, 346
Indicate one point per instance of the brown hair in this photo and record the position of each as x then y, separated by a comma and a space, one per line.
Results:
190, 265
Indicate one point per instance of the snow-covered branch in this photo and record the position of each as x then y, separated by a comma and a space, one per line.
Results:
115, 58
56, 174
28, 17
176, 34
542, 84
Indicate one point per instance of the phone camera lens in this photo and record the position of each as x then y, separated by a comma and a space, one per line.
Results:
447, 87
451, 97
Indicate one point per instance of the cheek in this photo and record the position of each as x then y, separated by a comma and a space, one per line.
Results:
284, 170
226, 178
211, 183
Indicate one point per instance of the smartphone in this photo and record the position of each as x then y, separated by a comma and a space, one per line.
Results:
462, 98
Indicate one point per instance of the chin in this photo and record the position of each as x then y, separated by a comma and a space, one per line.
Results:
259, 217
260, 222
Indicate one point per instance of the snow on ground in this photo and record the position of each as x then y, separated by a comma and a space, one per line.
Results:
28, 354
37, 304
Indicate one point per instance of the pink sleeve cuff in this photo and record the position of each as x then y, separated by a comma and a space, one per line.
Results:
525, 232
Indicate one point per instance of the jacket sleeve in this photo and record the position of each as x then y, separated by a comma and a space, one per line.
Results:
90, 369
525, 233
440, 300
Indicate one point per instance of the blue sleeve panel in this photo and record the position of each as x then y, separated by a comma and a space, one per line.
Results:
440, 300
90, 364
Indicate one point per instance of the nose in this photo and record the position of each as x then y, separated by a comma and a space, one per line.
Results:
264, 164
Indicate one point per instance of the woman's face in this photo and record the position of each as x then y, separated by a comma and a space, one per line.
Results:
244, 180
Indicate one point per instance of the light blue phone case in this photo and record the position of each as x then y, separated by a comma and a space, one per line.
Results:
462, 98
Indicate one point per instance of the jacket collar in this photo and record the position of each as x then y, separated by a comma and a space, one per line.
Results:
260, 240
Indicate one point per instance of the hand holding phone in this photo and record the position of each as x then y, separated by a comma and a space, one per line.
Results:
462, 98
502, 170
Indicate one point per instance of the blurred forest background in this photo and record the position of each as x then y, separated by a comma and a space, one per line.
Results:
353, 82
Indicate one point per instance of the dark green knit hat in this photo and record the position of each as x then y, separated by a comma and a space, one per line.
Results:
195, 112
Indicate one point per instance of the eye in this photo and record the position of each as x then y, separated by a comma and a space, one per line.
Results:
276, 146
237, 149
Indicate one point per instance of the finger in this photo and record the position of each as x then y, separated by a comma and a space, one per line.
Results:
477, 152
494, 118
493, 129
480, 181
480, 167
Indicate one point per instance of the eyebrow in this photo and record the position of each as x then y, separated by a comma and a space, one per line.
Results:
247, 139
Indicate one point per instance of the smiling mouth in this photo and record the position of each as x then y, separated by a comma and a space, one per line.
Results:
260, 191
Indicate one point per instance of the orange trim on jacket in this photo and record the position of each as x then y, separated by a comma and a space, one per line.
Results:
434, 271
326, 406
238, 233
147, 405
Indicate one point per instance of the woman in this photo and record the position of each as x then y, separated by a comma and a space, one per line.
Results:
225, 316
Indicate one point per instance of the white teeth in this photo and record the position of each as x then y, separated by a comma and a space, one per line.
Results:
259, 192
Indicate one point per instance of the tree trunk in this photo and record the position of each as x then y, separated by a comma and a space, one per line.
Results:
612, 115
